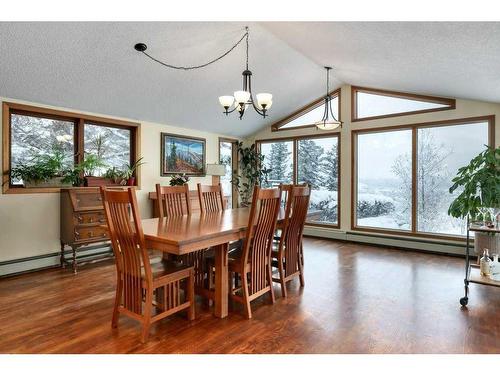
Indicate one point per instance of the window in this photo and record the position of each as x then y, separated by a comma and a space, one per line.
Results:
309, 115
440, 152
278, 156
318, 166
402, 175
316, 162
228, 157
112, 145
36, 134
370, 104
384, 180
34, 137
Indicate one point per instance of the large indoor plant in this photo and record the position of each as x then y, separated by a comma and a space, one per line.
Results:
480, 184
252, 171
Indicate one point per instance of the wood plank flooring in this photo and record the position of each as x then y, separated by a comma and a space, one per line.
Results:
357, 299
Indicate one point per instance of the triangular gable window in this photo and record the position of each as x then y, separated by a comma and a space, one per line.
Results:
369, 104
309, 115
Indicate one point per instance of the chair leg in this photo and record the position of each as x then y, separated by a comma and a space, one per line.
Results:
118, 296
282, 277
147, 316
191, 311
301, 267
246, 297
270, 280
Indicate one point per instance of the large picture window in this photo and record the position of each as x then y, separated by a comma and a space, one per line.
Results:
311, 160
35, 135
402, 174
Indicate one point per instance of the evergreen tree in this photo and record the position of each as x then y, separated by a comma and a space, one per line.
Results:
279, 161
330, 169
308, 168
172, 160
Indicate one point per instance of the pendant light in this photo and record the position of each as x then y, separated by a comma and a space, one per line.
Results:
326, 122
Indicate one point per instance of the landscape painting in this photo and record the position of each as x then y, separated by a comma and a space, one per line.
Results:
181, 154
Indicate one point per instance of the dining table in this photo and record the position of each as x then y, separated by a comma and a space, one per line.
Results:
184, 234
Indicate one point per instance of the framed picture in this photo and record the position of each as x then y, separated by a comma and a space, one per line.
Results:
181, 154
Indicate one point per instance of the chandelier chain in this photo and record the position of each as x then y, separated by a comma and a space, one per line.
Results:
205, 64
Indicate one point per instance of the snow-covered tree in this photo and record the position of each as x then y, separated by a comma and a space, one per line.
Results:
279, 160
308, 168
330, 169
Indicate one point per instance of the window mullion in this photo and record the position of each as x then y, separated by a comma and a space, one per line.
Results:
414, 187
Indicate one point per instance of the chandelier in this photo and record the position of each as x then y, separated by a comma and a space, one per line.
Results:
326, 123
242, 99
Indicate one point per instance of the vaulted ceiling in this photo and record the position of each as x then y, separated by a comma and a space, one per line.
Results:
93, 66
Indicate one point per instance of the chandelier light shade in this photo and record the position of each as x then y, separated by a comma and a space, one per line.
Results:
327, 122
243, 99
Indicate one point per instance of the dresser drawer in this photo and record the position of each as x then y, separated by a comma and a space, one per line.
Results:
89, 218
90, 233
85, 200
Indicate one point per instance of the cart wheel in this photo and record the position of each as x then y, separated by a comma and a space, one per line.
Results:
464, 301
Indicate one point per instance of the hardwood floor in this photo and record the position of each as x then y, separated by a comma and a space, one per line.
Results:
357, 299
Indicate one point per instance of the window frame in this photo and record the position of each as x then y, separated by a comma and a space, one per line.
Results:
295, 143
490, 119
79, 119
277, 126
450, 103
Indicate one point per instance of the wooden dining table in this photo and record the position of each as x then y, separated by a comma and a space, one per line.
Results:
188, 233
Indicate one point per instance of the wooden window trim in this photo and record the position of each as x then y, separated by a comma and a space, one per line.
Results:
414, 128
234, 165
307, 108
295, 140
451, 103
79, 119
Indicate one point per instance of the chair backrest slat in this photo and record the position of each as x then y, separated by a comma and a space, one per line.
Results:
173, 200
211, 198
260, 233
129, 247
293, 227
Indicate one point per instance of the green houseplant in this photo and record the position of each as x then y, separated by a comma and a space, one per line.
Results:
251, 172
480, 181
44, 171
130, 169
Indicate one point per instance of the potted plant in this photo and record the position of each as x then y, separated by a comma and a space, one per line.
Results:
88, 168
251, 172
115, 176
480, 185
44, 171
179, 180
130, 169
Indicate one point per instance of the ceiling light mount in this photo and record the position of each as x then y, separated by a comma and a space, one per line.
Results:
141, 47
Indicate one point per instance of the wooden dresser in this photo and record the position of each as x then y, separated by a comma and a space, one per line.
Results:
82, 220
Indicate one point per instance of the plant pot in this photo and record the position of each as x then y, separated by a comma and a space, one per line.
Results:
52, 182
131, 181
92, 181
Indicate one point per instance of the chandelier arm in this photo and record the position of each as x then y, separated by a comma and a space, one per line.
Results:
331, 112
325, 112
202, 65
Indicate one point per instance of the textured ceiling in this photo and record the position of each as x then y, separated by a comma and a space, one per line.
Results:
93, 66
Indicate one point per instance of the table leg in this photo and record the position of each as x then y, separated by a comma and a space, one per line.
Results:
221, 281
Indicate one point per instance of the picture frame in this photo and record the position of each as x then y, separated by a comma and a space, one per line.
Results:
182, 155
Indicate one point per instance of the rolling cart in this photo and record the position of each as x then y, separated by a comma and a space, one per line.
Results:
472, 272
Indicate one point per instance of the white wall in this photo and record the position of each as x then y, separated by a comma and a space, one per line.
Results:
29, 223
464, 108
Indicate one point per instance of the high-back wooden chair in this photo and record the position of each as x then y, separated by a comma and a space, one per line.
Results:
253, 263
211, 198
288, 258
285, 192
136, 276
172, 200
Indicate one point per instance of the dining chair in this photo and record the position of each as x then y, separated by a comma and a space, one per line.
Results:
288, 256
211, 198
139, 281
253, 262
174, 201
